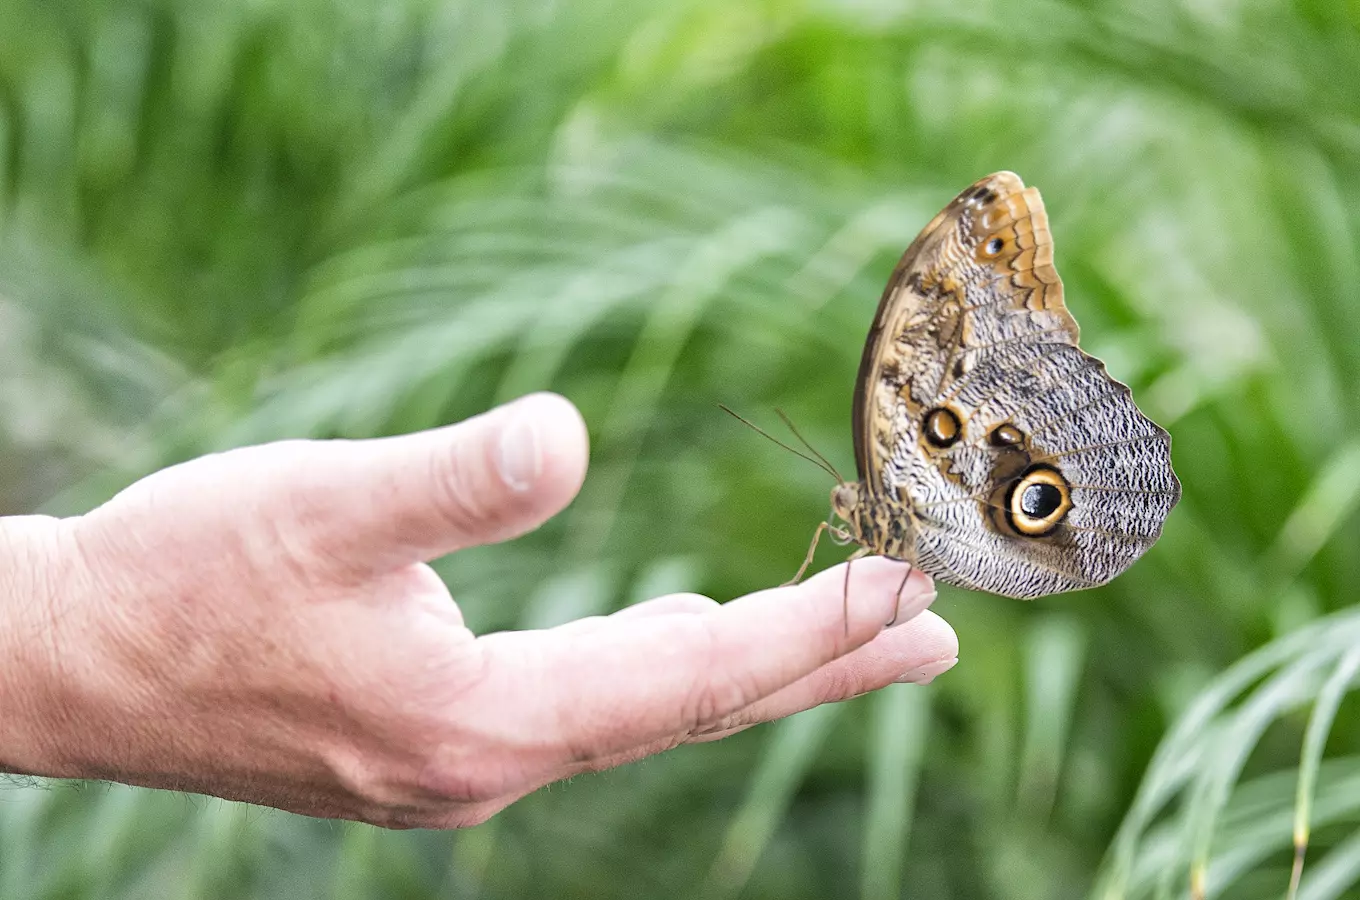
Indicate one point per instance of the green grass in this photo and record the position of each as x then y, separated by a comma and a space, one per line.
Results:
227, 223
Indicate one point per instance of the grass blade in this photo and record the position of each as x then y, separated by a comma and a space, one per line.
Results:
783, 766
901, 720
1314, 742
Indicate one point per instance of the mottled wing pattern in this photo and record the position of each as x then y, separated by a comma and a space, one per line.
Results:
972, 335
925, 304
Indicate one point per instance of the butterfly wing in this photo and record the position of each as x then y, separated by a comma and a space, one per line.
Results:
1021, 466
936, 268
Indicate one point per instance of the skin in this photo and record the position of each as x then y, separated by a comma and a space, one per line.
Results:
260, 625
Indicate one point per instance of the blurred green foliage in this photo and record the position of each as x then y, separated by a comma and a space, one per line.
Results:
224, 223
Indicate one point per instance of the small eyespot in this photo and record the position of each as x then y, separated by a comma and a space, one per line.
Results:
942, 427
1006, 436
1038, 501
993, 247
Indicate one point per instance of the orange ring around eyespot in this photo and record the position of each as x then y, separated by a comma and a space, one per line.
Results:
1037, 526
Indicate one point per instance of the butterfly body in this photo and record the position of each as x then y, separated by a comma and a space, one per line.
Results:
992, 452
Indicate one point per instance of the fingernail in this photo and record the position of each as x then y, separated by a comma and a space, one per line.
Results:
520, 461
929, 672
910, 605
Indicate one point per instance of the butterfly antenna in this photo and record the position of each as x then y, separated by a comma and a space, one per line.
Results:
816, 459
813, 450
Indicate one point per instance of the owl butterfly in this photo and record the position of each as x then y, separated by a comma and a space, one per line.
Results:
993, 453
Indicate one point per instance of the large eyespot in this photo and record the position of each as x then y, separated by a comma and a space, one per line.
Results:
1038, 501
941, 427
993, 247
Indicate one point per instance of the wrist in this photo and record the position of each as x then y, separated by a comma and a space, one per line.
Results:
36, 560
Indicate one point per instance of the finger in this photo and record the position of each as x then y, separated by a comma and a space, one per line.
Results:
605, 692
916, 653
671, 604
374, 505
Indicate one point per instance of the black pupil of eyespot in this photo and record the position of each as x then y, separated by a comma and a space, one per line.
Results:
994, 245
1040, 500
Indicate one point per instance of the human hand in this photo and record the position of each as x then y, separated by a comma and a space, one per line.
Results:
260, 625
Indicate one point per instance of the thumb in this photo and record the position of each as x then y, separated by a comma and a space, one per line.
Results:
376, 505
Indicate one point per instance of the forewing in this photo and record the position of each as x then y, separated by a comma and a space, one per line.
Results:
948, 292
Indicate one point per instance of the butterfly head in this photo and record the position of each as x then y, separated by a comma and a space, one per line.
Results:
846, 505
845, 500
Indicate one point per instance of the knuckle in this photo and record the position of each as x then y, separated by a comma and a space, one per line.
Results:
707, 705
725, 724
288, 547
287, 517
718, 694
374, 783
461, 496
367, 782
410, 790
838, 684
470, 784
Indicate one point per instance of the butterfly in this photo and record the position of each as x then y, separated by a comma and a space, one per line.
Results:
992, 452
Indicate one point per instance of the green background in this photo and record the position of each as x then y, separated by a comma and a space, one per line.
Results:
228, 222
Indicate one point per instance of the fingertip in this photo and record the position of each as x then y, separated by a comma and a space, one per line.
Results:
539, 451
876, 591
928, 636
383, 503
545, 447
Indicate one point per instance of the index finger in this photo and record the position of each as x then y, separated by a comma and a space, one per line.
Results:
562, 699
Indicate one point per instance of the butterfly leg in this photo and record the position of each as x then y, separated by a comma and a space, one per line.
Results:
900, 588
845, 588
807, 560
